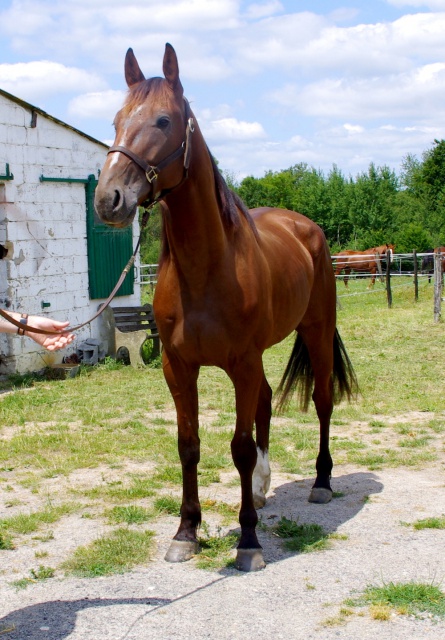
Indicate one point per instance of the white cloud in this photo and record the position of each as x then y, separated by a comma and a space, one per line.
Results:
418, 94
232, 129
256, 10
32, 80
353, 128
306, 42
99, 104
198, 15
435, 5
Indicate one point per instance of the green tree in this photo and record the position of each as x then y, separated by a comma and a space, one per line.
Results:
372, 204
413, 236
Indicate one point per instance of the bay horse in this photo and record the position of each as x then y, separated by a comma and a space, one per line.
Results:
231, 283
367, 261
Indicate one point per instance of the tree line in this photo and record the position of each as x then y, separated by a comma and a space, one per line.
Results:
375, 207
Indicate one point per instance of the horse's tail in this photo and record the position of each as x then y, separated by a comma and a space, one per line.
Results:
299, 376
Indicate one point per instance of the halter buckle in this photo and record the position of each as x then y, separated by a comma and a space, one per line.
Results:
151, 175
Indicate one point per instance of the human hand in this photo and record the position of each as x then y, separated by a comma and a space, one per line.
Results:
50, 342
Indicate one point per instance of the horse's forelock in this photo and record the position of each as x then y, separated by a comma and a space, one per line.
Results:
138, 93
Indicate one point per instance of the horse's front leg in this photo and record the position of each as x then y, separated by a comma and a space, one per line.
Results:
261, 474
182, 382
247, 378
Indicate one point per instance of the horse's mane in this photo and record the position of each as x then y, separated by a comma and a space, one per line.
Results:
229, 202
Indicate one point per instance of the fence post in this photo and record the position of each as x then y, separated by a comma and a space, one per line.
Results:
416, 279
388, 279
437, 285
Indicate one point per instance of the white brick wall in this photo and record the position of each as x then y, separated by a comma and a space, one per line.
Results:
46, 222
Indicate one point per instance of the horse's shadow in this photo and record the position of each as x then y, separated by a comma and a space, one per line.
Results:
290, 500
55, 620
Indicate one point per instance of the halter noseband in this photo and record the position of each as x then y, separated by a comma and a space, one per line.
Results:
152, 171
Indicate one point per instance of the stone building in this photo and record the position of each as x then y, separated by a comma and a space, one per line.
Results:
59, 259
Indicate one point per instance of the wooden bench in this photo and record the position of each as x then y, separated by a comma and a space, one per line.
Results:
132, 327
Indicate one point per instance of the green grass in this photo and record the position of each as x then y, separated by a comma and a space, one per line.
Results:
131, 514
411, 598
35, 575
216, 550
167, 505
301, 537
28, 523
122, 550
430, 523
6, 543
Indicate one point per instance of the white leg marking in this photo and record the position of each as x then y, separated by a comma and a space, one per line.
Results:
261, 479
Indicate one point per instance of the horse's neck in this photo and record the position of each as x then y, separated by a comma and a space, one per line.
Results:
194, 229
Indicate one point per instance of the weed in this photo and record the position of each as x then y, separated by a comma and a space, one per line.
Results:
430, 523
27, 523
216, 551
120, 551
130, 515
6, 543
301, 537
168, 505
410, 598
42, 573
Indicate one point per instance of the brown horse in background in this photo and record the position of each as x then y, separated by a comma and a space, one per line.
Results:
231, 283
367, 261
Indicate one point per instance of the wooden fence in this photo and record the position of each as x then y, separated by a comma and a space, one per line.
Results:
408, 264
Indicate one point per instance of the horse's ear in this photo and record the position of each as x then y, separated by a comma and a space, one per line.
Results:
133, 74
171, 68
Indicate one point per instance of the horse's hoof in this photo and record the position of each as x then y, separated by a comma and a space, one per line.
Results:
259, 501
250, 560
320, 495
181, 551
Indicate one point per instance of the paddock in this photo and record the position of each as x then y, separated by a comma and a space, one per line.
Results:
87, 445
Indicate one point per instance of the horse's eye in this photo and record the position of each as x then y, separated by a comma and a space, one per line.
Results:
162, 122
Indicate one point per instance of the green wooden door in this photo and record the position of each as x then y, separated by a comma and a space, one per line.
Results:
108, 251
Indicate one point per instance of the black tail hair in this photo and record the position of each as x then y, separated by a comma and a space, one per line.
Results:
299, 376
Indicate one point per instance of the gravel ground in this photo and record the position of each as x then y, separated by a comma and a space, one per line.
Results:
297, 596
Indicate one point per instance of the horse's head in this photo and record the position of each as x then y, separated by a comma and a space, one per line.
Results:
383, 250
390, 248
149, 151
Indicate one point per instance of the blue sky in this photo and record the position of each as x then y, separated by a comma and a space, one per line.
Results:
272, 82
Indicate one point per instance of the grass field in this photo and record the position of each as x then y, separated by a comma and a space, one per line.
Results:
103, 445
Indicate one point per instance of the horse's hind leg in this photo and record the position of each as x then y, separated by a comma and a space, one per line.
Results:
318, 339
183, 387
261, 473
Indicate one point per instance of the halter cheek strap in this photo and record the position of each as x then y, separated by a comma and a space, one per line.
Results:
152, 171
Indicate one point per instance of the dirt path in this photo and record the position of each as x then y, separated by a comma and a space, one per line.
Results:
297, 596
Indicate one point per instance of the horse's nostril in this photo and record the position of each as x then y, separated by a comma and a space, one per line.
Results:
116, 199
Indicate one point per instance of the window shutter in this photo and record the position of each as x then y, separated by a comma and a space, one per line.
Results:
108, 251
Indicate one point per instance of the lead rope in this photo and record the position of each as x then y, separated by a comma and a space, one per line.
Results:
26, 327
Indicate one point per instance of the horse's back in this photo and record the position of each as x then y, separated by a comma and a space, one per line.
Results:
291, 228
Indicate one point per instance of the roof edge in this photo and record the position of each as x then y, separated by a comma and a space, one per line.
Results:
28, 105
